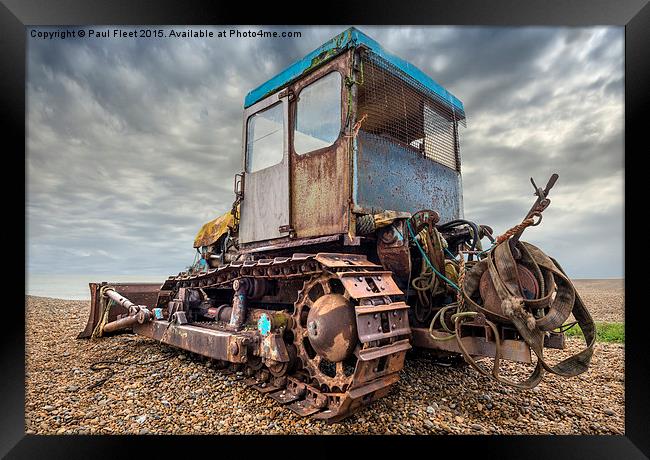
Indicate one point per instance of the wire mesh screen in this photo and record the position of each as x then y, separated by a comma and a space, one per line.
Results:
398, 108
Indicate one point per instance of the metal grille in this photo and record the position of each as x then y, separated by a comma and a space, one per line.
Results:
400, 109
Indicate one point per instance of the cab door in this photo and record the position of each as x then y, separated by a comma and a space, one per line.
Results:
320, 158
265, 203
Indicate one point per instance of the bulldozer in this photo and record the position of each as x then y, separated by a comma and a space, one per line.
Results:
346, 247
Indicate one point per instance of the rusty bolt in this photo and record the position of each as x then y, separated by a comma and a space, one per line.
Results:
379, 328
234, 348
375, 316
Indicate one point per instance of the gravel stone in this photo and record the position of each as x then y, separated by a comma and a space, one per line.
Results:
164, 398
604, 298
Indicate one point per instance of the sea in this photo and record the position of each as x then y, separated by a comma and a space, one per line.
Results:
75, 287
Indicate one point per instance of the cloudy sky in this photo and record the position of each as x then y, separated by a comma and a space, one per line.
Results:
133, 143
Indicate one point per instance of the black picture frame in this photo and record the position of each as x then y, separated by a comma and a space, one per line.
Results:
16, 15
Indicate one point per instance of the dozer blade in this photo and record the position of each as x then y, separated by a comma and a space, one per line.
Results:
140, 293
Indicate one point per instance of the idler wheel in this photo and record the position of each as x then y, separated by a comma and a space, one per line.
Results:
331, 327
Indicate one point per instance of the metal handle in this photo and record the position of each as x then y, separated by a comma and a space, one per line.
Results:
239, 185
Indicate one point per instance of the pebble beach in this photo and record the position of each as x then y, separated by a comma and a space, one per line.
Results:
168, 391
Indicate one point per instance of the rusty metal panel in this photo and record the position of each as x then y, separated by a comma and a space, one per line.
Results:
370, 354
337, 260
265, 206
368, 376
512, 350
372, 284
382, 321
390, 176
215, 344
378, 384
320, 180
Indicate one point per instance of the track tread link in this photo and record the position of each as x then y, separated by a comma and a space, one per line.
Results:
381, 355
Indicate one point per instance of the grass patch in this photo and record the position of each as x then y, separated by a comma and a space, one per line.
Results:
605, 332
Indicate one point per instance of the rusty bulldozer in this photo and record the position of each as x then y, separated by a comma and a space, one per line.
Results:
346, 246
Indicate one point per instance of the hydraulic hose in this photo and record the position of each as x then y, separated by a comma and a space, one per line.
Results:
457, 222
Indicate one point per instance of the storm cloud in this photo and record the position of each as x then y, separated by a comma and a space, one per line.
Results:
132, 144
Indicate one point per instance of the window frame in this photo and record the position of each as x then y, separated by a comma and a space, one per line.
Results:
260, 107
294, 113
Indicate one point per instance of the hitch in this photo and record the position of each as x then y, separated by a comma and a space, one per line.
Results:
137, 314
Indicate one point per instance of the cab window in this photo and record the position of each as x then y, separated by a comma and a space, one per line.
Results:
318, 114
265, 138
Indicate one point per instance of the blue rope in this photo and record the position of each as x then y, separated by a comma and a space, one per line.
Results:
451, 283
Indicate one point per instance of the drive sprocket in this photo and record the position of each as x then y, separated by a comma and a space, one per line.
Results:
328, 375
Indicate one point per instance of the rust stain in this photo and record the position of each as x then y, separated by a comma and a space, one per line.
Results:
320, 182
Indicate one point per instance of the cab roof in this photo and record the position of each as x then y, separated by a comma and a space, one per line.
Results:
349, 38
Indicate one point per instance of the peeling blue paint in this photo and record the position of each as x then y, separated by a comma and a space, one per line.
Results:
393, 177
264, 324
350, 38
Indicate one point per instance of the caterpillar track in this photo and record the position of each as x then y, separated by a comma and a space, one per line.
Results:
345, 338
